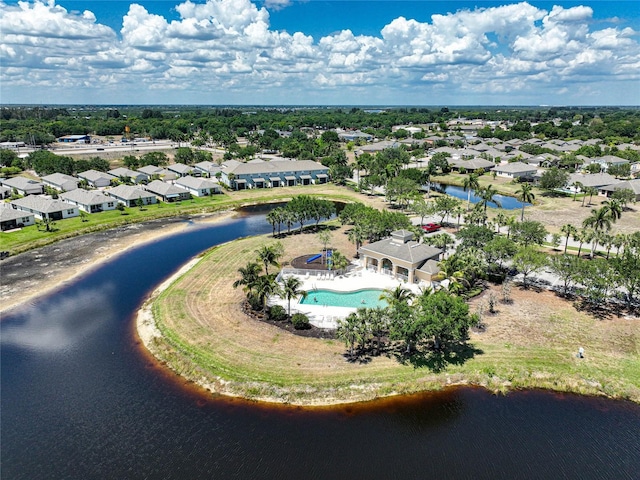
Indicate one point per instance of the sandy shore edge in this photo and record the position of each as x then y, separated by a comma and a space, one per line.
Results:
110, 252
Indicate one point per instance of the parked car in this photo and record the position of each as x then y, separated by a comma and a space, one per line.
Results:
431, 227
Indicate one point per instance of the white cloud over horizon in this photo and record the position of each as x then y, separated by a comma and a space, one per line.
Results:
224, 51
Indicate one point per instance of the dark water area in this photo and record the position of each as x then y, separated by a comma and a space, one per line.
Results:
501, 201
80, 399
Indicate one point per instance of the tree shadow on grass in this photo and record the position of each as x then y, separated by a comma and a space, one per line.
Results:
438, 360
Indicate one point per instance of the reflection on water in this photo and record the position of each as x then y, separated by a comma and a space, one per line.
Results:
61, 323
79, 401
500, 201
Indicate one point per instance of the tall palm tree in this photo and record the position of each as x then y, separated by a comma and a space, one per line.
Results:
349, 331
525, 195
396, 296
266, 286
248, 276
501, 220
614, 207
269, 255
619, 240
568, 230
581, 236
458, 212
486, 195
577, 187
599, 220
291, 289
470, 183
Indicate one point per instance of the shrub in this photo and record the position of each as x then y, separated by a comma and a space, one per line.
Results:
300, 321
254, 302
277, 313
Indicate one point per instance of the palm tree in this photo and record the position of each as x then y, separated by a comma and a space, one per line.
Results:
470, 183
577, 187
269, 255
525, 195
511, 221
619, 240
248, 276
568, 230
266, 286
580, 236
448, 271
273, 219
291, 289
357, 235
349, 331
486, 195
600, 219
501, 220
458, 212
607, 241
396, 296
614, 207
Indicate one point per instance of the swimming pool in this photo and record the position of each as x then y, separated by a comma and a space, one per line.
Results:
366, 298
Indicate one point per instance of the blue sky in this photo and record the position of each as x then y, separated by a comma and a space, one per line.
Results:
317, 52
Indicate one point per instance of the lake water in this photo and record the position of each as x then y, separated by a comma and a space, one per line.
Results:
81, 399
504, 201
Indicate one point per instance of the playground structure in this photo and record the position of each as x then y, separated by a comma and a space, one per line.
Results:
326, 256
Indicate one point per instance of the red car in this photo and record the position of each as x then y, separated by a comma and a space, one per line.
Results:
431, 227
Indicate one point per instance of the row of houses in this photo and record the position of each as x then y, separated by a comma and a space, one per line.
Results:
259, 173
23, 211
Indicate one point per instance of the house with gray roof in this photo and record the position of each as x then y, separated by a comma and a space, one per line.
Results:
594, 180
126, 174
167, 192
24, 185
96, 179
129, 196
182, 170
400, 256
60, 182
158, 173
476, 164
44, 207
207, 168
11, 218
90, 201
633, 185
198, 187
606, 161
5, 192
273, 173
515, 170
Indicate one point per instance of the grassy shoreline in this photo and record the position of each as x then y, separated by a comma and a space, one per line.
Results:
228, 353
29, 238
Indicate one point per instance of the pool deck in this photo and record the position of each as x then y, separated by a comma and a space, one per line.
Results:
323, 316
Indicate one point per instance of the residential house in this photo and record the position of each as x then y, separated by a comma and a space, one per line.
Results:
90, 201
515, 170
130, 196
24, 185
198, 187
60, 182
5, 192
11, 218
633, 185
160, 173
182, 170
401, 257
589, 180
96, 179
44, 207
207, 169
128, 175
606, 161
273, 173
167, 192
476, 164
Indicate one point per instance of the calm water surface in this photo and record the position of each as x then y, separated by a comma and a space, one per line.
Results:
81, 400
504, 201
